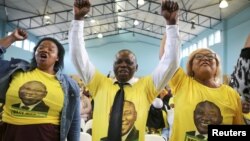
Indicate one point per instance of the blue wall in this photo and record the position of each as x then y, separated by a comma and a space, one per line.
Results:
234, 33
218, 48
102, 52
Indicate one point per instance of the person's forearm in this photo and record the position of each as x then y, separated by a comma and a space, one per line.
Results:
78, 51
7, 41
162, 45
169, 62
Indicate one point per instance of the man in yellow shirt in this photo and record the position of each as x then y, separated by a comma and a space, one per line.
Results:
103, 90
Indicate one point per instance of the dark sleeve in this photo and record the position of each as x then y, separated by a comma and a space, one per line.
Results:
155, 118
240, 78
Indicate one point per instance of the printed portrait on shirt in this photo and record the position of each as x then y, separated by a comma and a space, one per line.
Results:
129, 131
205, 113
31, 94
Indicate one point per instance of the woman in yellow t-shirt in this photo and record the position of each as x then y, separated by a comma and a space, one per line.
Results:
200, 100
40, 103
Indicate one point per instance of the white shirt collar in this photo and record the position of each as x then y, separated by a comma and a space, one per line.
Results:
132, 81
30, 106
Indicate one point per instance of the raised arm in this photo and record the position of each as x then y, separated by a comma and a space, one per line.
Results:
169, 62
240, 77
17, 35
162, 45
77, 48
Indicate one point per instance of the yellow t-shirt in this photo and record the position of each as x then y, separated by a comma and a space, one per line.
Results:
196, 104
33, 97
138, 97
247, 118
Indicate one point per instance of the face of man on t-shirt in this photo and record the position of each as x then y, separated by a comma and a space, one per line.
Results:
129, 117
206, 113
32, 92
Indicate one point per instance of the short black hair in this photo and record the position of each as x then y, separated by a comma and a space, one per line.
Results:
129, 51
60, 63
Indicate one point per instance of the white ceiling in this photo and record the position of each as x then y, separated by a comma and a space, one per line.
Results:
115, 17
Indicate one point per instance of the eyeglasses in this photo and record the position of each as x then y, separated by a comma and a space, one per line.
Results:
209, 56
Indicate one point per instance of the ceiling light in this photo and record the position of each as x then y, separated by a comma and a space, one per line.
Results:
46, 17
223, 4
136, 22
100, 35
92, 21
140, 2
